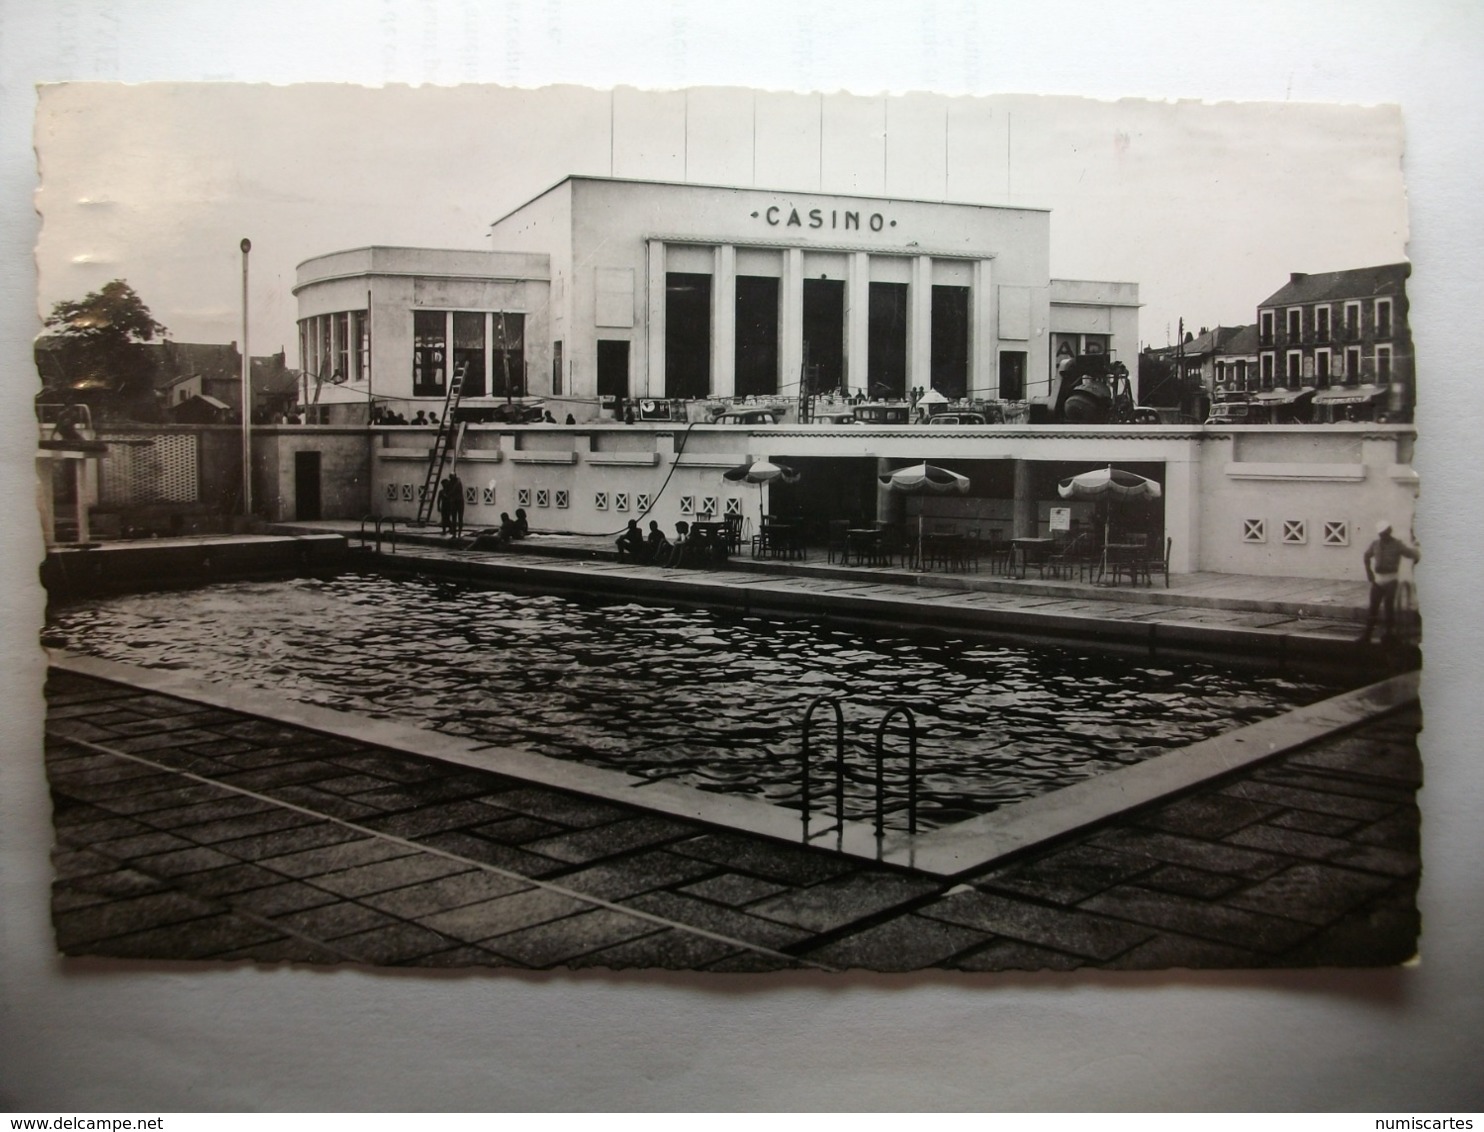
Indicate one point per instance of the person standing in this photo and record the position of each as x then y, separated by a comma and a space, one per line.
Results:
444, 504
1383, 559
455, 489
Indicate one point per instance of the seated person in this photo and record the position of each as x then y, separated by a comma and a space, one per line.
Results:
522, 526
631, 543
682, 545
657, 546
509, 528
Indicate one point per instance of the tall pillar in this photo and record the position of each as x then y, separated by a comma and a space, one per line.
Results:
651, 383
1182, 504
791, 324
982, 338
1025, 523
724, 322
920, 324
857, 321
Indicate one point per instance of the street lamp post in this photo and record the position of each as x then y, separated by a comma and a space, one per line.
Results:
246, 394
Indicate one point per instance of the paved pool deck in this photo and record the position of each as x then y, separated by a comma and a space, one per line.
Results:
187, 831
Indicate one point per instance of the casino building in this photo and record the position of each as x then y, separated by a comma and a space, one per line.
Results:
603, 297
605, 288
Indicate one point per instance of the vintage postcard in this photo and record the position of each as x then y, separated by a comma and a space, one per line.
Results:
727, 530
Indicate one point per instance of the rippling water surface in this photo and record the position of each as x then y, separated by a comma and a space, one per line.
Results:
708, 698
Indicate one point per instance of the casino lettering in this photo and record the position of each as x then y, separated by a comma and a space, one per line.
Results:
845, 219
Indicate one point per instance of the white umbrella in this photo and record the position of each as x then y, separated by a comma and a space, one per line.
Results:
925, 479
760, 472
1114, 483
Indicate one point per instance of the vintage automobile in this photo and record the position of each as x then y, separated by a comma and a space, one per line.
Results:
958, 419
747, 417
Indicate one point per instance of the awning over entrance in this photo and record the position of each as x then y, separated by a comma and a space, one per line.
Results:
1283, 396
1349, 394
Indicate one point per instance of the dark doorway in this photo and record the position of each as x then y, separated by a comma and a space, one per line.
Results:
950, 364
1012, 375
886, 367
687, 334
824, 334
306, 486
757, 335
613, 367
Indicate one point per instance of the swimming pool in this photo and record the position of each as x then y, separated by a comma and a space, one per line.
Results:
704, 698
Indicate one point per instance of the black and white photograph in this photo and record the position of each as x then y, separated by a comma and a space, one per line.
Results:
727, 530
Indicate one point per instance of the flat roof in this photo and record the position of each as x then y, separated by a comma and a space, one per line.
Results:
753, 189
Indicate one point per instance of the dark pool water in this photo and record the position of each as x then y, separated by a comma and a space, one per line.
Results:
707, 698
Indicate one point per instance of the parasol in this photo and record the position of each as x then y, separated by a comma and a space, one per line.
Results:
925, 479
1114, 483
760, 472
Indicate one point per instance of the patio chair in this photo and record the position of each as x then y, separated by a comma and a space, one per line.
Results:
733, 534
998, 550
1154, 563
838, 543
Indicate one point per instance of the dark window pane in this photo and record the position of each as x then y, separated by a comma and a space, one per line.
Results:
950, 362
687, 334
757, 335
886, 367
429, 353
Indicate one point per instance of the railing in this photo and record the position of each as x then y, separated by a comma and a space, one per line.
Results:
378, 520
911, 769
839, 760
806, 761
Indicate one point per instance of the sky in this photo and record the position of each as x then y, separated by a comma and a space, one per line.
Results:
1207, 206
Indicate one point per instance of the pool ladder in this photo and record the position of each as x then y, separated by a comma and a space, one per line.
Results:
391, 531
880, 753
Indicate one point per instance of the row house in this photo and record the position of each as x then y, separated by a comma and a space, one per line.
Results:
1341, 337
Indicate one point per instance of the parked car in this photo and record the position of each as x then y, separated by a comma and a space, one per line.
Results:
958, 419
747, 417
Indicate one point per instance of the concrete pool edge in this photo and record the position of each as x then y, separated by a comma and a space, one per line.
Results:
956, 850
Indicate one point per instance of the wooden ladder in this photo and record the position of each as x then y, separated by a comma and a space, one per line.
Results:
443, 445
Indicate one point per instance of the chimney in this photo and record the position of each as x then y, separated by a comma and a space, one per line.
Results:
1298, 276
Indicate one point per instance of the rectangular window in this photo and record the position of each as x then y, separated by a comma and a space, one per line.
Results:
1352, 364
886, 345
508, 357
1241, 379
1383, 364
360, 332
341, 371
468, 351
1012, 375
306, 336
1293, 367
687, 334
756, 352
429, 353
1352, 320
1321, 368
1265, 327
1295, 324
326, 348
1321, 324
1267, 370
556, 369
1383, 318
950, 350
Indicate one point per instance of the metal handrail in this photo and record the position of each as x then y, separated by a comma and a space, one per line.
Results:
377, 520
839, 759
900, 709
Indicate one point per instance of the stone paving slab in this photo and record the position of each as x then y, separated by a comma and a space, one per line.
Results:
1312, 858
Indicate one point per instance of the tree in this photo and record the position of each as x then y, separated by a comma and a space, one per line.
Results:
99, 342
